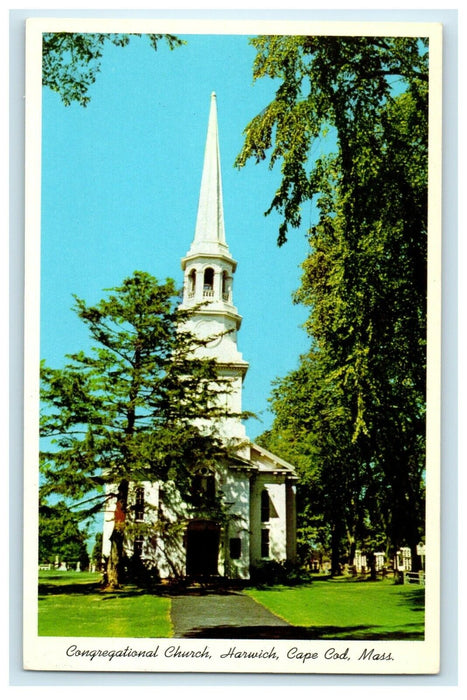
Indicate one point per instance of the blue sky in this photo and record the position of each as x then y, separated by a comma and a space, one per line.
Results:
120, 186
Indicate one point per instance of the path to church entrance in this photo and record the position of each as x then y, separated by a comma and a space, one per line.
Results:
226, 615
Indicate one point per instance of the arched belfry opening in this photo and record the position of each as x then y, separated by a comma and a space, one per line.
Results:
208, 282
192, 284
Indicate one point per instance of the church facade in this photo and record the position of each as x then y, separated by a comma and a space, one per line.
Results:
258, 486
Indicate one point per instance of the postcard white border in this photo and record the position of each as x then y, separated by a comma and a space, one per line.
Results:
48, 653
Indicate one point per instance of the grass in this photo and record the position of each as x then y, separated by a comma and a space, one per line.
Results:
72, 605
340, 609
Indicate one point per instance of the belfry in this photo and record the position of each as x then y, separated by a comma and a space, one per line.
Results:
258, 486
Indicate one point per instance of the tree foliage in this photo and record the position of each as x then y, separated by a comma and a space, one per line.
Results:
140, 406
61, 536
337, 83
361, 422
71, 61
96, 555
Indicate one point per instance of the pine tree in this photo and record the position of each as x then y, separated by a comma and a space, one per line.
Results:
140, 406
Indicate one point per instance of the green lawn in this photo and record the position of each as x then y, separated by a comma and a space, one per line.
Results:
340, 609
72, 605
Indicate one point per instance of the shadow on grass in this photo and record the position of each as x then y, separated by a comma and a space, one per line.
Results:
133, 590
200, 592
416, 599
291, 632
90, 588
68, 588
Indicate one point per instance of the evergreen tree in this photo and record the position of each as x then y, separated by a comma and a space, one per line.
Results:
140, 406
61, 536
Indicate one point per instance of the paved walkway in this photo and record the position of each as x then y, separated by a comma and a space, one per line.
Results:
225, 615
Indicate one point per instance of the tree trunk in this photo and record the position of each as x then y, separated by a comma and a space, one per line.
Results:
352, 549
335, 552
416, 559
113, 562
117, 539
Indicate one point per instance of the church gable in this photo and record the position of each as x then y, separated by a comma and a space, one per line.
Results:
268, 462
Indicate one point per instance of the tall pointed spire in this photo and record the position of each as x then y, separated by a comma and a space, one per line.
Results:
210, 233
208, 279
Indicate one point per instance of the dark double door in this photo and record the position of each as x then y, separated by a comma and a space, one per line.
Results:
202, 548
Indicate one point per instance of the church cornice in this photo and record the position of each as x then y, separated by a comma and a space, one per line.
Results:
278, 465
209, 257
234, 366
205, 310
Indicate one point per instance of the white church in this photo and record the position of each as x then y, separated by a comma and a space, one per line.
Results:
258, 486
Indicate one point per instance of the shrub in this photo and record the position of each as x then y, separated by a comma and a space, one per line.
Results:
273, 573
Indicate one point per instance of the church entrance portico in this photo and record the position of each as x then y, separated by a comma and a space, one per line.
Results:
202, 548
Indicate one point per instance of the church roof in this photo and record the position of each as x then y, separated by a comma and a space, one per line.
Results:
261, 460
267, 461
209, 236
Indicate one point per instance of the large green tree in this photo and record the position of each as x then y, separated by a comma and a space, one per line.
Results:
62, 537
71, 61
139, 406
348, 126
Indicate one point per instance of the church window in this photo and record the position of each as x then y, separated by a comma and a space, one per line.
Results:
138, 547
235, 547
139, 504
192, 283
204, 487
264, 506
264, 543
208, 283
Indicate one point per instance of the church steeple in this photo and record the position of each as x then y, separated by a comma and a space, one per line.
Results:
210, 232
209, 267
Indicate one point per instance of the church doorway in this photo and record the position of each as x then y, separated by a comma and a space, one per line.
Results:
202, 548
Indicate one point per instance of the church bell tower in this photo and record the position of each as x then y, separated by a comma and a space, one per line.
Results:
209, 269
